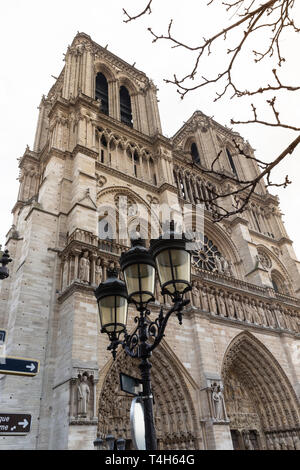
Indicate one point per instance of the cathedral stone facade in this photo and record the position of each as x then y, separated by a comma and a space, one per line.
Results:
229, 376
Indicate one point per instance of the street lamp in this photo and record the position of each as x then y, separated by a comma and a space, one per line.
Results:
112, 301
4, 260
172, 260
98, 443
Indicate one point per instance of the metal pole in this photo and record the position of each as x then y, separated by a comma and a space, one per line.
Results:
150, 435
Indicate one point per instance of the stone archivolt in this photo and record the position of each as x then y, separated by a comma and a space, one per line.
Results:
175, 415
248, 363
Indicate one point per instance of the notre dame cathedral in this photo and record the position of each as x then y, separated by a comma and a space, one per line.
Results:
229, 376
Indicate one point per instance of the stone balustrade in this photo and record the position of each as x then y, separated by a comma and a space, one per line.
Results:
86, 259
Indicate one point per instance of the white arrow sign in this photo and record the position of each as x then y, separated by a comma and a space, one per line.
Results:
31, 367
23, 423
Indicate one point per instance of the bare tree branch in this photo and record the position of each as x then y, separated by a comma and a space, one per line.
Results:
251, 17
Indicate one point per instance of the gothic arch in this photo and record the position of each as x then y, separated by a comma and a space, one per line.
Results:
175, 415
101, 67
264, 381
276, 267
132, 196
125, 81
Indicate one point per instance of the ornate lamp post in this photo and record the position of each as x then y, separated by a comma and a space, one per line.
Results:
4, 260
172, 261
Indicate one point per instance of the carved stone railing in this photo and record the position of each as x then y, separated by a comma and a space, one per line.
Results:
83, 236
86, 257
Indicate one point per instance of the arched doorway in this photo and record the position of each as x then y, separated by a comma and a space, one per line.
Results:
261, 404
174, 412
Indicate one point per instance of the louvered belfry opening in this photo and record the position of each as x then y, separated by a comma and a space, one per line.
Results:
102, 92
195, 153
125, 105
231, 162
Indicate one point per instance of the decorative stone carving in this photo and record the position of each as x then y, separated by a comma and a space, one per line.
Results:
174, 417
98, 272
83, 396
264, 259
216, 401
84, 268
195, 295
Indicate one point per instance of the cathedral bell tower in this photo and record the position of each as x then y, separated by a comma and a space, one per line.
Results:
99, 141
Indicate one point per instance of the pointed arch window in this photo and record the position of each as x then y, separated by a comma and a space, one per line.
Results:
125, 106
231, 162
195, 153
101, 93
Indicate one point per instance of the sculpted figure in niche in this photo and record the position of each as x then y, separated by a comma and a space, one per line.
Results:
296, 441
218, 263
83, 395
212, 300
247, 310
84, 268
225, 265
195, 295
222, 306
280, 317
98, 272
218, 402
238, 307
261, 313
270, 316
255, 312
270, 445
248, 443
203, 297
230, 306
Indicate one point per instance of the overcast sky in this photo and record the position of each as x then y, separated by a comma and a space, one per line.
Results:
35, 34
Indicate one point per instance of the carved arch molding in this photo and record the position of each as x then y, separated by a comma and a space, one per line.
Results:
261, 403
174, 411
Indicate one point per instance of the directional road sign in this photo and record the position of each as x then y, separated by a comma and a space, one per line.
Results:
19, 366
11, 423
2, 336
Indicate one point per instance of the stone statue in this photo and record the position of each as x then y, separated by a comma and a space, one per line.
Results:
84, 268
248, 443
218, 264
225, 265
195, 295
230, 306
297, 442
238, 307
255, 315
221, 302
261, 313
203, 297
247, 310
218, 402
270, 316
212, 300
83, 395
98, 272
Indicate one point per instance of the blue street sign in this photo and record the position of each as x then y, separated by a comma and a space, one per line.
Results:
19, 366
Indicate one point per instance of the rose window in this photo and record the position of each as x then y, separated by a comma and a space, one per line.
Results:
204, 257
